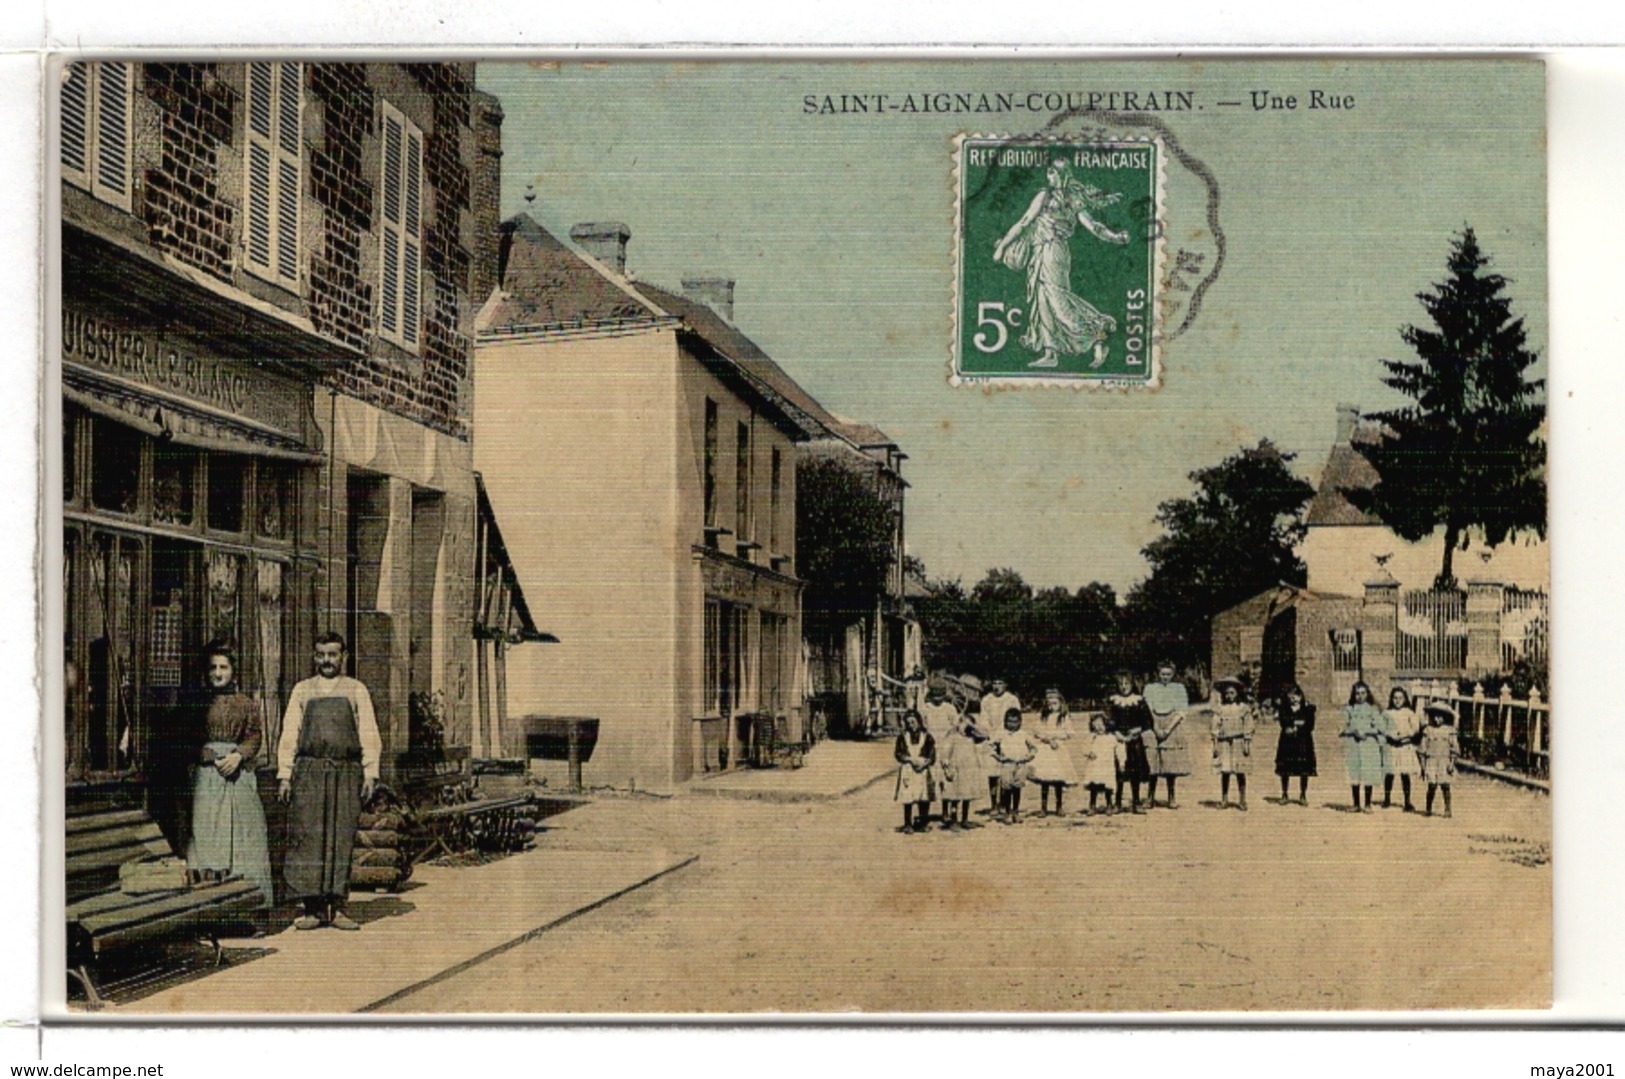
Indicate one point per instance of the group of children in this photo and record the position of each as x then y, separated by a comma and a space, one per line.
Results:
945, 752
944, 755
1380, 744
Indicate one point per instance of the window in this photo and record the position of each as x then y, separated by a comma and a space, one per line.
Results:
96, 130
112, 675
228, 488
402, 239
742, 479
174, 470
774, 480
273, 172
70, 455
710, 461
772, 660
115, 464
277, 494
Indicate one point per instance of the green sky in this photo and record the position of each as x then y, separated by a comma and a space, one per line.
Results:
839, 229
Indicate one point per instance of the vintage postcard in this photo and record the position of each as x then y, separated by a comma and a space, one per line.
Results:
978, 537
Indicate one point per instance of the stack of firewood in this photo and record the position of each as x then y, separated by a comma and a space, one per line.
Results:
384, 843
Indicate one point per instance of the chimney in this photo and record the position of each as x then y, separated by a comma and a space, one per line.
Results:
604, 241
485, 194
716, 293
1347, 417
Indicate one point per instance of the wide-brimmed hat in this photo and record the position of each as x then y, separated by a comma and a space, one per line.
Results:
1440, 708
1220, 683
971, 682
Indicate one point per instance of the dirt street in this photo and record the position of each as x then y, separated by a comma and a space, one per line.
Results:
824, 907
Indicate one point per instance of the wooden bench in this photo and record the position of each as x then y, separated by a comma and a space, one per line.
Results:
102, 919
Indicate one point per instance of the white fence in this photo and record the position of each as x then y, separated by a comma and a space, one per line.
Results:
1496, 730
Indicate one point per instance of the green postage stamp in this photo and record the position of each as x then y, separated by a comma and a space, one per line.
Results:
1058, 260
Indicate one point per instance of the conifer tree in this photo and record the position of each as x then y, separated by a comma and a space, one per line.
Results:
1464, 455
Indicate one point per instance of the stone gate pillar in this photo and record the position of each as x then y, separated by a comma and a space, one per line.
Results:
1379, 630
1485, 602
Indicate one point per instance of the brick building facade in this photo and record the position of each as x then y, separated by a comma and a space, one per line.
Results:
266, 361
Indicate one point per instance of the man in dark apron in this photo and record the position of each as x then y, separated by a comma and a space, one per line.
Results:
327, 763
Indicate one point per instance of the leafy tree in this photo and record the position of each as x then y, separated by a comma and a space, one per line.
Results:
1231, 540
844, 537
1464, 455
1033, 640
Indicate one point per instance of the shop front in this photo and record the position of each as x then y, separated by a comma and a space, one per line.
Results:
752, 625
188, 490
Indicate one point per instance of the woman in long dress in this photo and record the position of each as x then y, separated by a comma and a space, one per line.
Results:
228, 819
1295, 752
1403, 733
1363, 734
1058, 320
1169, 703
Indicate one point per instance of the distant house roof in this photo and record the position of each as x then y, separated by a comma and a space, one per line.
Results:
758, 366
1272, 601
1346, 469
862, 435
541, 286
546, 286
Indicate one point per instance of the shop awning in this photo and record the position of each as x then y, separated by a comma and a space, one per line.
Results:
502, 613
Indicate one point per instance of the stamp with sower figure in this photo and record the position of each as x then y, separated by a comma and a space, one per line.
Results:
1057, 262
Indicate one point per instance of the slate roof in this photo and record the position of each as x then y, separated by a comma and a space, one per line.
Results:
1345, 470
863, 434
542, 285
757, 366
545, 285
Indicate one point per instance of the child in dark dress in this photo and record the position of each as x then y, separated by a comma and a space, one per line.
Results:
1128, 718
1295, 752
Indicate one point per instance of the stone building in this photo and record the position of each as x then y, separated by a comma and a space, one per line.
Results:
265, 362
1369, 611
643, 464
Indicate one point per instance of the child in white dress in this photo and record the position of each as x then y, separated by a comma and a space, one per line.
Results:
1053, 769
1439, 751
960, 767
1013, 751
1103, 757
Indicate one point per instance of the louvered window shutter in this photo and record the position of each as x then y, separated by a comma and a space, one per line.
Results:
411, 240
271, 200
96, 129
76, 123
288, 160
257, 200
390, 315
400, 309
113, 134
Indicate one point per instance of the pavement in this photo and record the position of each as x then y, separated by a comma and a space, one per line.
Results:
832, 770
445, 921
424, 934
